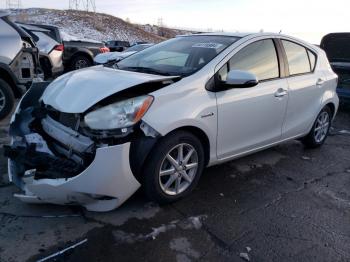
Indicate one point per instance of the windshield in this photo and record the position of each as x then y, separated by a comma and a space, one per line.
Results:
181, 56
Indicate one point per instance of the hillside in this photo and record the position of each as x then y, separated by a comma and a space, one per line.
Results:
96, 26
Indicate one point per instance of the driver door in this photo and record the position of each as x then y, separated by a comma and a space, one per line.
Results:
251, 118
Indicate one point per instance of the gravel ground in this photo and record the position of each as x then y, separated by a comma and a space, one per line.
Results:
282, 204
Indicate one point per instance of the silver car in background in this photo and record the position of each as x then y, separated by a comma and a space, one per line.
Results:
19, 63
113, 57
49, 43
159, 117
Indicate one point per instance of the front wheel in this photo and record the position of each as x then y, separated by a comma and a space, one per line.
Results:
320, 129
7, 99
174, 167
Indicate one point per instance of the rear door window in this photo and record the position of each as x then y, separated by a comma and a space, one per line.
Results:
298, 59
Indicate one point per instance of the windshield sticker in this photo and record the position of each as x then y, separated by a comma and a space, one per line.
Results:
208, 45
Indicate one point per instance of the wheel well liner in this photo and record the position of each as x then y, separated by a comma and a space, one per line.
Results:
332, 108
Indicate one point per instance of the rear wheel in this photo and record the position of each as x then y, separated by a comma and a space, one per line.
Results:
174, 167
320, 129
7, 99
80, 62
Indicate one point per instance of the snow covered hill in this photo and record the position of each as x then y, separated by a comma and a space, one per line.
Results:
96, 26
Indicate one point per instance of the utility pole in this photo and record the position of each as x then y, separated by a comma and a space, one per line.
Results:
85, 5
160, 26
13, 4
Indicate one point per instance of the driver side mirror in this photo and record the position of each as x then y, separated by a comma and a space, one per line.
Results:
241, 79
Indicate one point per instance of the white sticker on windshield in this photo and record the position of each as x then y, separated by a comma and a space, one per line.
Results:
208, 45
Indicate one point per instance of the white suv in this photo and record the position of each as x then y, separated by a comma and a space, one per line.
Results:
159, 117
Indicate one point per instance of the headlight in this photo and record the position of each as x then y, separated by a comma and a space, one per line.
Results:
119, 115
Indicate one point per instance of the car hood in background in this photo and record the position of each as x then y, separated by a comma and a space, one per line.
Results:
110, 56
337, 47
79, 90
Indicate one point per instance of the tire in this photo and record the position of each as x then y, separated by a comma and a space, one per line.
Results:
80, 62
320, 129
155, 185
7, 99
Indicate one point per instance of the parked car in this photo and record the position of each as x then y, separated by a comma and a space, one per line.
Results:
18, 63
79, 54
337, 48
113, 57
164, 114
49, 43
117, 46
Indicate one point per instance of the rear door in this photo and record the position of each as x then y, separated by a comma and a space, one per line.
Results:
250, 118
306, 87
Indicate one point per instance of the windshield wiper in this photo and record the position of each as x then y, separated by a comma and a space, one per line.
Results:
146, 70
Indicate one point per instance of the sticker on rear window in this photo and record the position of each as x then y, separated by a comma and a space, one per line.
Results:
208, 45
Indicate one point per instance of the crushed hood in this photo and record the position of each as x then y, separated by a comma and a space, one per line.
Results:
77, 91
110, 56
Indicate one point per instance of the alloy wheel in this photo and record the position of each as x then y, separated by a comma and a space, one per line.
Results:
321, 127
2, 100
178, 169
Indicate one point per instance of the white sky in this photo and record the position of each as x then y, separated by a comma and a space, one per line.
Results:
307, 19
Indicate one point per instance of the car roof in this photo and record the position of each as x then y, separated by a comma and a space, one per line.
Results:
240, 35
253, 35
237, 34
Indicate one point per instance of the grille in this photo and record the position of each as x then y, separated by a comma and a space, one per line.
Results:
66, 119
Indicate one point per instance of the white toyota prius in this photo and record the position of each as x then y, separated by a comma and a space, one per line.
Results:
156, 119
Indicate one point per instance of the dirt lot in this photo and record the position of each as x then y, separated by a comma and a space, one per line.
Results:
283, 204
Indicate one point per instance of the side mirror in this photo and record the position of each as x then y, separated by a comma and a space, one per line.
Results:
241, 79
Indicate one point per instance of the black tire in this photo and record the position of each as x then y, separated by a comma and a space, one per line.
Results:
151, 174
311, 140
7, 99
79, 62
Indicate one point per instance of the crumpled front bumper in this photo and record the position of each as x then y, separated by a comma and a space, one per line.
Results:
102, 185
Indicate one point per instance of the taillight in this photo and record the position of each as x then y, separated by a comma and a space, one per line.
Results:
104, 49
59, 48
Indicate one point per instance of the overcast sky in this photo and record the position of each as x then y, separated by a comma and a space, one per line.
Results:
307, 19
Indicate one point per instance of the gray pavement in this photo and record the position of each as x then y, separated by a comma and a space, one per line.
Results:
283, 204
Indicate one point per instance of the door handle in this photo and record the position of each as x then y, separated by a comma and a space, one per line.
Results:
281, 92
320, 82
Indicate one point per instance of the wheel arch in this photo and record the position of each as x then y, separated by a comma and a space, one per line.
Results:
81, 53
332, 107
142, 147
201, 135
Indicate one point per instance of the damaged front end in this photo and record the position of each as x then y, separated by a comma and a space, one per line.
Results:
54, 157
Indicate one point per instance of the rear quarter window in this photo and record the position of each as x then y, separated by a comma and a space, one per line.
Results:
298, 58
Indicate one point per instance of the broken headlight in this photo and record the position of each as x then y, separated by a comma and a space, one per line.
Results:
119, 115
